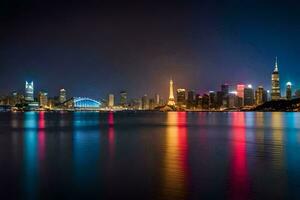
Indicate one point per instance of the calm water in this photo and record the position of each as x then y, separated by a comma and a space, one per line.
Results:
150, 155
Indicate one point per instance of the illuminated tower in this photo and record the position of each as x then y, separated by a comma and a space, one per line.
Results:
62, 95
171, 101
29, 91
275, 94
288, 90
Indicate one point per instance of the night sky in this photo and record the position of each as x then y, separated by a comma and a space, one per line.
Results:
92, 49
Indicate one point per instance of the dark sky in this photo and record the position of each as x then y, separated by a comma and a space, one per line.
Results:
92, 48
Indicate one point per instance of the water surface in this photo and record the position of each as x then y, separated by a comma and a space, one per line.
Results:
173, 155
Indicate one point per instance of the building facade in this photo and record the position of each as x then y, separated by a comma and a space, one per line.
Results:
29, 91
275, 93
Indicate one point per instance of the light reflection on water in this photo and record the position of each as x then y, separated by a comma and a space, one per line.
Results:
175, 155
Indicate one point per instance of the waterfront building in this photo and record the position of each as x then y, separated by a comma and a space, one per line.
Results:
248, 96
275, 94
62, 95
111, 100
145, 102
233, 100
157, 100
240, 92
225, 89
43, 99
212, 100
152, 104
190, 99
261, 95
123, 99
288, 90
29, 91
181, 97
205, 102
198, 101
171, 101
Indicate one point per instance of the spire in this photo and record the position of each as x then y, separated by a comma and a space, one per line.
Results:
276, 65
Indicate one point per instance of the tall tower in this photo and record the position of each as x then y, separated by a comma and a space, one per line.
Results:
29, 91
275, 94
62, 95
288, 90
171, 101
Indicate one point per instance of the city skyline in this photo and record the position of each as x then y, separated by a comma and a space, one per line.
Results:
201, 44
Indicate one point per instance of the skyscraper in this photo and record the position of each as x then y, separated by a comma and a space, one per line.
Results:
171, 101
62, 95
212, 99
43, 99
275, 94
157, 100
123, 98
225, 89
111, 100
145, 102
191, 99
261, 95
181, 97
248, 96
288, 90
29, 91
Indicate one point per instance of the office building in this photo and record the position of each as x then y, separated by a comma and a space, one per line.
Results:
123, 99
288, 90
190, 99
145, 102
181, 98
248, 96
29, 91
275, 94
43, 99
261, 95
111, 100
62, 95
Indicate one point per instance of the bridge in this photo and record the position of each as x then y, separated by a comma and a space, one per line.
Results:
83, 103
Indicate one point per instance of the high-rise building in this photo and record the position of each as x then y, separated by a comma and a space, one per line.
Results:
261, 95
157, 100
190, 99
152, 104
43, 99
123, 98
205, 102
288, 90
62, 95
29, 91
248, 96
171, 101
240, 91
145, 102
212, 100
111, 100
181, 97
233, 100
225, 91
198, 101
219, 99
275, 94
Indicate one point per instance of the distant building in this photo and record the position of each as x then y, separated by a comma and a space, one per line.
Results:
190, 99
225, 91
145, 102
205, 102
43, 99
248, 96
219, 99
123, 98
111, 100
181, 97
275, 94
288, 90
29, 91
212, 100
198, 101
16, 98
152, 104
233, 100
240, 92
157, 100
261, 95
62, 95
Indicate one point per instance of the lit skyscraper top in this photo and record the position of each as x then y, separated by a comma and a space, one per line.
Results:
275, 94
29, 91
